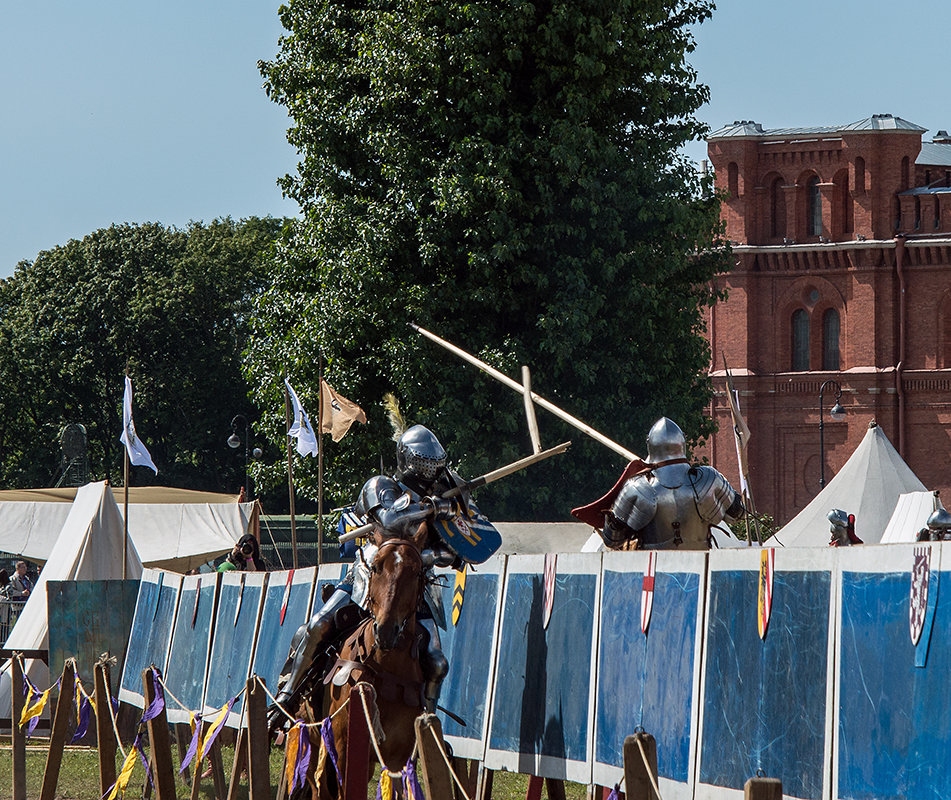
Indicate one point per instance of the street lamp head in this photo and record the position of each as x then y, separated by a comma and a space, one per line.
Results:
257, 454
837, 412
234, 441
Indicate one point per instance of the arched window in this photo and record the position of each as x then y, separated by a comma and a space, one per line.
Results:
800, 340
813, 207
830, 340
860, 174
733, 180
777, 209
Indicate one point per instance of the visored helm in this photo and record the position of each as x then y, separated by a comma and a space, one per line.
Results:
665, 441
419, 454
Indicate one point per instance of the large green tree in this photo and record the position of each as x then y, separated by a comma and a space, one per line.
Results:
507, 175
170, 305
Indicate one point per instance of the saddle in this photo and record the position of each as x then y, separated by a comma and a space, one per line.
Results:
390, 686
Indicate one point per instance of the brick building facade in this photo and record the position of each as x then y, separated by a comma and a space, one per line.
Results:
842, 243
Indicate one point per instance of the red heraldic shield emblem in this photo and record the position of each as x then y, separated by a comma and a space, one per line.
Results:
918, 596
765, 602
647, 591
549, 589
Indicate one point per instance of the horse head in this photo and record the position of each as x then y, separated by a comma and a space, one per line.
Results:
396, 585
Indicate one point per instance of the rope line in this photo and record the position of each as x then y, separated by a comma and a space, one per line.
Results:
292, 719
376, 746
448, 764
647, 766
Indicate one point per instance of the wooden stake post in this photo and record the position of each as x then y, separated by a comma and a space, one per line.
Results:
637, 774
356, 768
18, 736
434, 771
163, 773
763, 789
54, 756
259, 745
105, 736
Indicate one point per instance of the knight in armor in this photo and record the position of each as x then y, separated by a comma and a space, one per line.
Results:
397, 505
842, 529
664, 503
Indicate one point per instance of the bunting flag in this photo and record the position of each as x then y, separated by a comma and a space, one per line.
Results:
765, 604
411, 787
137, 745
301, 429
158, 703
337, 413
458, 594
615, 792
138, 453
125, 773
31, 712
384, 791
297, 756
647, 591
83, 708
215, 728
330, 747
551, 562
195, 722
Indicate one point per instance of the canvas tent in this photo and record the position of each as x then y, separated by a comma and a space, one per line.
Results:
172, 529
89, 547
910, 516
868, 485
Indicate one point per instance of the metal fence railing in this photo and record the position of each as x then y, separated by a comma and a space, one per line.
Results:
9, 614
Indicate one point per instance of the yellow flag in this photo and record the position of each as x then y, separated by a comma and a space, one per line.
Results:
386, 785
35, 710
124, 775
337, 413
211, 729
290, 752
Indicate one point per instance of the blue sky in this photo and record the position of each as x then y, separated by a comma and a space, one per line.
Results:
132, 112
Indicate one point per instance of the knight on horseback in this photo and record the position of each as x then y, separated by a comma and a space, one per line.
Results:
396, 505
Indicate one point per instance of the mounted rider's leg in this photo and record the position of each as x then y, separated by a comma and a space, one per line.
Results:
434, 663
307, 642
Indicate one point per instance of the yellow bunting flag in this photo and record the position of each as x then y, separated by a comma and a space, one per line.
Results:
290, 753
458, 594
124, 775
212, 729
35, 710
79, 696
386, 786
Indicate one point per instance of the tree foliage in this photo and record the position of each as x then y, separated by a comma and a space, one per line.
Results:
506, 175
172, 306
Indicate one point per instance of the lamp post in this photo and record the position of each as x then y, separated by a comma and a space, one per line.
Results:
234, 442
837, 412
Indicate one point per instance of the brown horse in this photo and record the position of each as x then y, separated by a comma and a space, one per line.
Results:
383, 651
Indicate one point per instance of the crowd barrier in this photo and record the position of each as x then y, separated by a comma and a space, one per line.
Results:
834, 699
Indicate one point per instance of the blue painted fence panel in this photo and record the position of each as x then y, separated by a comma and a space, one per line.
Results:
894, 719
764, 701
649, 681
274, 638
151, 631
191, 641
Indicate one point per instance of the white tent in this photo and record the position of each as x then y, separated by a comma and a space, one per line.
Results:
910, 516
172, 529
89, 547
868, 485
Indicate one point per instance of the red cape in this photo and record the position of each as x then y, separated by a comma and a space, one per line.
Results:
593, 513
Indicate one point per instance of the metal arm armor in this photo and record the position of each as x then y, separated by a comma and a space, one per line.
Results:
636, 503
716, 499
381, 499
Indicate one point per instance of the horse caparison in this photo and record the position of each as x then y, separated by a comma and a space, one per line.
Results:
383, 651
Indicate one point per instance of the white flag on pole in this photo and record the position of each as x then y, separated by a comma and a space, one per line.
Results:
138, 453
301, 428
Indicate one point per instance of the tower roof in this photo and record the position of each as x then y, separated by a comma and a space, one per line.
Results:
748, 129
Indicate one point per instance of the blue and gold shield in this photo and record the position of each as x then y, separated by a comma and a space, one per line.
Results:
470, 535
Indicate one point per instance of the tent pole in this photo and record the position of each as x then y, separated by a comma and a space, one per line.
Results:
125, 521
290, 473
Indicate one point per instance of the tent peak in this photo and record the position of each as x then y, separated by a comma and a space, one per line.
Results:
872, 424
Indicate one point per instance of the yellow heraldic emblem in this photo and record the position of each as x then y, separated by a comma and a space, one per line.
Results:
458, 594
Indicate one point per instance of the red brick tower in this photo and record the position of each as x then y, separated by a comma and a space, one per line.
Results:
842, 241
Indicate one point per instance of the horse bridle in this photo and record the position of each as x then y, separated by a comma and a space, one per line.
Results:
398, 542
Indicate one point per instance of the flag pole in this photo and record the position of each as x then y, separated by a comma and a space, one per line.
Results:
290, 473
741, 443
320, 460
125, 520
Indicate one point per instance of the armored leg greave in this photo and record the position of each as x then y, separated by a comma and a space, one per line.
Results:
308, 639
434, 664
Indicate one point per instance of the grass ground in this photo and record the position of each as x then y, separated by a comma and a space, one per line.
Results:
79, 777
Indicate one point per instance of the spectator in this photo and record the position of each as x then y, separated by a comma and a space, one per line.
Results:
245, 556
20, 584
